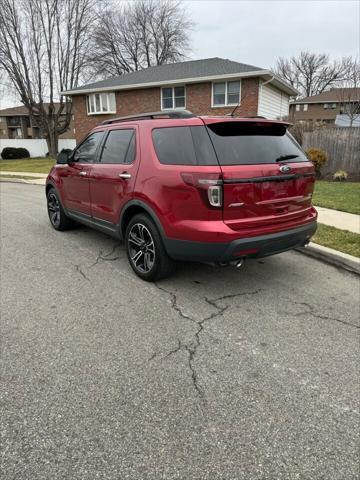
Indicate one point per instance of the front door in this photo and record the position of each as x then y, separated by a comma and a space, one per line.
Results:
112, 179
75, 176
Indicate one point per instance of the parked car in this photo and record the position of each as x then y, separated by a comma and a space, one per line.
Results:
176, 186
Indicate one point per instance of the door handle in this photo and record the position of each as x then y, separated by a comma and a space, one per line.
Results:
82, 173
126, 176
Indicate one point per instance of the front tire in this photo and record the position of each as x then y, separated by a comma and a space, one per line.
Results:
57, 216
145, 250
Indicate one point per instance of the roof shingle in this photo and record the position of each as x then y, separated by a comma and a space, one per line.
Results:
174, 71
333, 95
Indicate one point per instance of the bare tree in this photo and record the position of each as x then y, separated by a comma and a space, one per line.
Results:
312, 73
140, 34
349, 93
42, 51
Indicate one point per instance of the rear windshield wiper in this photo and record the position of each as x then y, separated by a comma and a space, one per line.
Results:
285, 157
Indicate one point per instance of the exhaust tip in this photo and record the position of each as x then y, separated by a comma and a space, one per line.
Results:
238, 263
306, 243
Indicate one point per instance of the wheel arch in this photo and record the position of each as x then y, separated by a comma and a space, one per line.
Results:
48, 186
133, 208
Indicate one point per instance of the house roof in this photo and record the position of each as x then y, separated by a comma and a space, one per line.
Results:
186, 72
332, 95
19, 111
14, 111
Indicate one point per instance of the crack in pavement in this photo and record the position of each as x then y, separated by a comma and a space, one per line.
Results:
311, 311
174, 303
79, 270
105, 257
191, 348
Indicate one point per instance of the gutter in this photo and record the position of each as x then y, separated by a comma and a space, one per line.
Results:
256, 73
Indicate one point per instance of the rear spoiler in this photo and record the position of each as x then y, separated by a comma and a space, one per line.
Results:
255, 120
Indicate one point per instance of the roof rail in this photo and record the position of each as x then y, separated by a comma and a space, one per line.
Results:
151, 116
256, 116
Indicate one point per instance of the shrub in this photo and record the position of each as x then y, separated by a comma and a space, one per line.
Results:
318, 157
11, 153
340, 176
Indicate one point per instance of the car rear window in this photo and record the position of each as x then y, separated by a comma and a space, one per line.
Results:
183, 146
240, 143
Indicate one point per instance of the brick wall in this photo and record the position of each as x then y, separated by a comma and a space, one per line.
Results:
316, 112
198, 101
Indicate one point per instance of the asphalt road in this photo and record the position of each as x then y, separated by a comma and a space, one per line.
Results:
213, 374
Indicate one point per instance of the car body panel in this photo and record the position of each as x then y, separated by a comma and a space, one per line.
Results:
108, 191
73, 186
258, 200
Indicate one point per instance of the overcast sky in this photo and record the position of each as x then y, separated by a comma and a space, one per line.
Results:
257, 32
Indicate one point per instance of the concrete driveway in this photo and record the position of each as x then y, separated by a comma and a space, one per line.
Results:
215, 373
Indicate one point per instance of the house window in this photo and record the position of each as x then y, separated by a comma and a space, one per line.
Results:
225, 93
19, 133
298, 108
100, 103
305, 107
172, 98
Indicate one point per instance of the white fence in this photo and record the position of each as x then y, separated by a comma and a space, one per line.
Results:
36, 147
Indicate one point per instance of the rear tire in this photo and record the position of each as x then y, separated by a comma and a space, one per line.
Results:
57, 216
145, 250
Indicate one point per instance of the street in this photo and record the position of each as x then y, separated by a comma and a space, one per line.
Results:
212, 374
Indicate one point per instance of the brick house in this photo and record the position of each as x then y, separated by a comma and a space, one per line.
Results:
211, 86
326, 106
15, 123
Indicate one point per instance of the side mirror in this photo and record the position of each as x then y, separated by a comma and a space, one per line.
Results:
64, 156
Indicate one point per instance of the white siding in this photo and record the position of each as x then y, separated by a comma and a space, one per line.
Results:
36, 146
273, 103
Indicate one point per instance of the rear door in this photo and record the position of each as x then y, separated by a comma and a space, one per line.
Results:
112, 179
267, 178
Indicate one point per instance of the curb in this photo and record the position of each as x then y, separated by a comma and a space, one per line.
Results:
333, 257
22, 180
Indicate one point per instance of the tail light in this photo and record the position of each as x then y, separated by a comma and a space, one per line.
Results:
209, 183
215, 195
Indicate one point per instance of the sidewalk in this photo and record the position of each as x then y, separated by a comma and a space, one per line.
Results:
24, 174
36, 178
341, 220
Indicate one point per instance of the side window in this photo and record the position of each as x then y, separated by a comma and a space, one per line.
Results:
174, 146
86, 152
119, 147
183, 146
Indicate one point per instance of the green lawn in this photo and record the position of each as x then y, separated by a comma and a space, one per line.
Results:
342, 240
34, 165
344, 196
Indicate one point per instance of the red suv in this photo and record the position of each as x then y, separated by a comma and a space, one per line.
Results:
176, 186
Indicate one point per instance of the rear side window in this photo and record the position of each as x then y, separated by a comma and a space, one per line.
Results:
183, 146
239, 143
119, 147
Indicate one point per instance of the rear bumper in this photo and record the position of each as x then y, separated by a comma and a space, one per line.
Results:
255, 247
